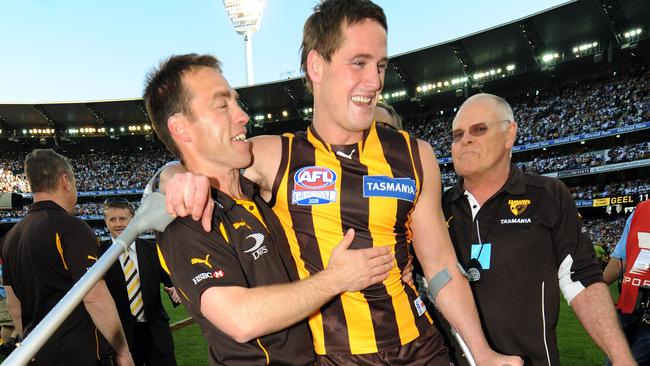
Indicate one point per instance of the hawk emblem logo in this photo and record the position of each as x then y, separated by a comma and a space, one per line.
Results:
517, 207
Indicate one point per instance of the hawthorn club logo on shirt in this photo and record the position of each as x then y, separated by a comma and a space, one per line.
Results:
517, 207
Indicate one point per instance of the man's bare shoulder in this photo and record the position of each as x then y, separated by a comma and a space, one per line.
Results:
267, 153
426, 150
265, 140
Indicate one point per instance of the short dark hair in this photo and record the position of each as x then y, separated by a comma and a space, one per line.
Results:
165, 94
44, 167
323, 29
120, 203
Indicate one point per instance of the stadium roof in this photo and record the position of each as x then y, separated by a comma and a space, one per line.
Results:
522, 43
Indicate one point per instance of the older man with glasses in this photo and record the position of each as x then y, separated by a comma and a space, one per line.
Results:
519, 237
134, 282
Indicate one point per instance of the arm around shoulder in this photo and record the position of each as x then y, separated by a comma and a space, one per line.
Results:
267, 156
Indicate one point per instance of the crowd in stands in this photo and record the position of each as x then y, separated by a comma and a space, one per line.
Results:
554, 162
11, 182
110, 170
547, 162
96, 170
629, 153
437, 131
605, 102
619, 188
586, 106
12, 178
589, 191
605, 232
608, 101
81, 209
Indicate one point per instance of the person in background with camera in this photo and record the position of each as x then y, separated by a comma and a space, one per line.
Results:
630, 264
519, 238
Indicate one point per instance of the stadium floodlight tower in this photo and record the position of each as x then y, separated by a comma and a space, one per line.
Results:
246, 16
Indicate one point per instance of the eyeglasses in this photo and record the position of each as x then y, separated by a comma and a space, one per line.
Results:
475, 130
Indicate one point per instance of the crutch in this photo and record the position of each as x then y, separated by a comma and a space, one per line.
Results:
150, 216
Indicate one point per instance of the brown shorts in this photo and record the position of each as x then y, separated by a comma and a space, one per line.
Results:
428, 349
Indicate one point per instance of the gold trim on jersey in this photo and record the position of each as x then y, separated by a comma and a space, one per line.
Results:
59, 248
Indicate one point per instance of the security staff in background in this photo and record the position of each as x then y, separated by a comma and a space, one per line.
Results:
134, 282
630, 264
516, 234
44, 255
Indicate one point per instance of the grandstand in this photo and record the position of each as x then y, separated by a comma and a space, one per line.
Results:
579, 90
579, 87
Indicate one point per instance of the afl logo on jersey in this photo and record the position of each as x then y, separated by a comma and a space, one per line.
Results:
314, 185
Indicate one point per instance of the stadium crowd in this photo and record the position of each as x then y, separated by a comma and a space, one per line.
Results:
548, 162
605, 232
81, 209
628, 187
11, 168
96, 170
109, 170
605, 102
553, 162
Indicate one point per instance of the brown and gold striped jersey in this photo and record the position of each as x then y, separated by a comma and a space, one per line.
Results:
320, 191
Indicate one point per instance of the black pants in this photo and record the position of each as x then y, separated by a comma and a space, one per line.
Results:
145, 351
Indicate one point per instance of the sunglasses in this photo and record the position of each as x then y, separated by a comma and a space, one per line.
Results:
475, 130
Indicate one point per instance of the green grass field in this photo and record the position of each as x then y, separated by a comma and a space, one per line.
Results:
576, 348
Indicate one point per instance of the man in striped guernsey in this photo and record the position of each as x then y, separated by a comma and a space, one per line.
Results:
344, 172
44, 255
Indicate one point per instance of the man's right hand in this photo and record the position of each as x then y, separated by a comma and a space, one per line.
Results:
356, 269
187, 194
497, 359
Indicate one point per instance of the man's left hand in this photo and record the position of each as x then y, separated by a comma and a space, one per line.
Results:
171, 291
